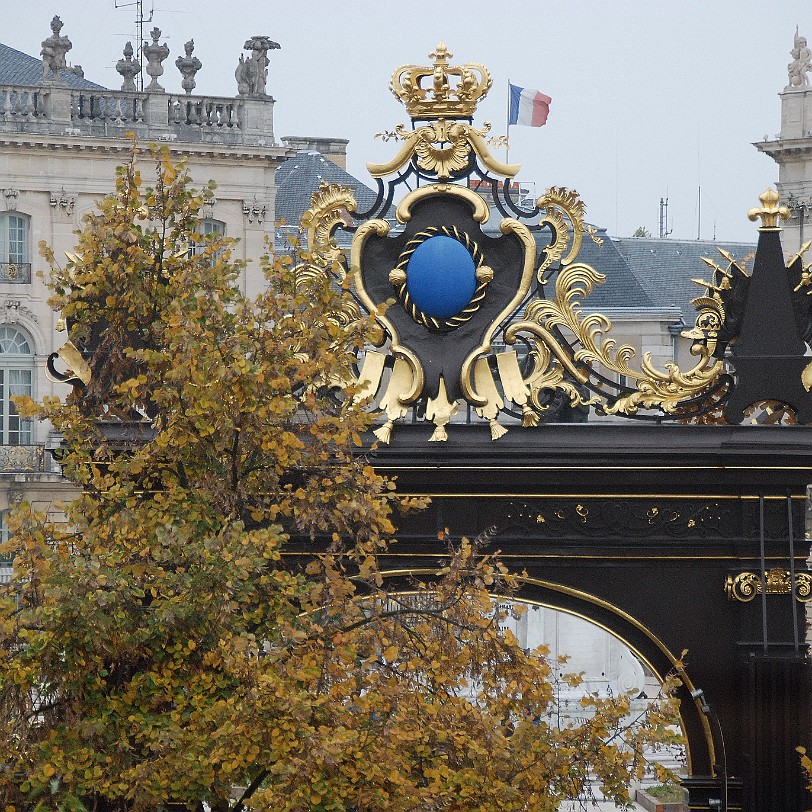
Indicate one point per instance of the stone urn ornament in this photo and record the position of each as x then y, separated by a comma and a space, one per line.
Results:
155, 55
129, 69
188, 66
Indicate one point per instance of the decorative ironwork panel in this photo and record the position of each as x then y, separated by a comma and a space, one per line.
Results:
629, 518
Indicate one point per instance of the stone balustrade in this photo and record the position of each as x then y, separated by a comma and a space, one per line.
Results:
59, 110
205, 111
22, 104
114, 107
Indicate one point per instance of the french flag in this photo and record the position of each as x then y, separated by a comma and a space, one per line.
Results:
529, 107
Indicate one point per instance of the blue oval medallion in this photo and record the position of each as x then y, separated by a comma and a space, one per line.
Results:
441, 277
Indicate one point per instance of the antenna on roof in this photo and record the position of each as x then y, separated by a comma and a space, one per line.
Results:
664, 230
140, 20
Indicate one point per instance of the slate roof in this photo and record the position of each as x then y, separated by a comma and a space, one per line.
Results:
665, 267
300, 176
17, 68
621, 288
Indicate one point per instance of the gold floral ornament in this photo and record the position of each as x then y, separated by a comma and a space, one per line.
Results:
442, 95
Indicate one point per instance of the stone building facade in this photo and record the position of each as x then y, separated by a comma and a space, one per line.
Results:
61, 139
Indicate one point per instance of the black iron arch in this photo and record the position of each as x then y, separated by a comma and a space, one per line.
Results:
700, 745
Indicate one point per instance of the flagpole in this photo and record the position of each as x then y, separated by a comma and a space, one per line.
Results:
507, 149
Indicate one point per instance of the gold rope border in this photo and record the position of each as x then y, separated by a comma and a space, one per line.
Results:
429, 322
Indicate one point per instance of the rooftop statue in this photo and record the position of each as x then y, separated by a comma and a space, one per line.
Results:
801, 62
53, 51
252, 73
128, 68
188, 66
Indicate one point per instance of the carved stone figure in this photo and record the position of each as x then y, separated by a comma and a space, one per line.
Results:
155, 54
252, 73
188, 66
128, 68
801, 62
53, 51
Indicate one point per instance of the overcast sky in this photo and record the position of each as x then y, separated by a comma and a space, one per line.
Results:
650, 97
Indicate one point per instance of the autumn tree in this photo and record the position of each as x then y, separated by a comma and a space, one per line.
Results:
210, 624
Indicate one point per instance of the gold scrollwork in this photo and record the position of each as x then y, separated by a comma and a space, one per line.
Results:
443, 147
666, 390
405, 387
559, 203
555, 367
484, 275
330, 207
777, 581
347, 314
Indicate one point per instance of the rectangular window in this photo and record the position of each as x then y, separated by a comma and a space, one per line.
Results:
17, 239
16, 429
15, 260
206, 227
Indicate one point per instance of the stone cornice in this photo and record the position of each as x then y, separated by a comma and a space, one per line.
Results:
116, 146
786, 146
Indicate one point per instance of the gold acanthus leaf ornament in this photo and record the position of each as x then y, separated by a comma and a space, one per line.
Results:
555, 367
564, 212
654, 388
330, 207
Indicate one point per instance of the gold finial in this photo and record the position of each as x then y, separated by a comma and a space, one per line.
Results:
769, 211
440, 98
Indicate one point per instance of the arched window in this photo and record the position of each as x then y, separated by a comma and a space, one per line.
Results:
16, 378
206, 227
15, 253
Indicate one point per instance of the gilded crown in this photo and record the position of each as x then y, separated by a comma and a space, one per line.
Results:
429, 92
